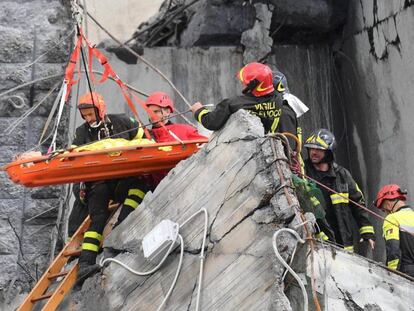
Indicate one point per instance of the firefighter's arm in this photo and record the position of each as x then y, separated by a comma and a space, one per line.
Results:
136, 131
366, 230
288, 123
212, 120
391, 234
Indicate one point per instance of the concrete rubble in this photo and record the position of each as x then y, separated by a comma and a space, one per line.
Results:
246, 202
235, 178
347, 281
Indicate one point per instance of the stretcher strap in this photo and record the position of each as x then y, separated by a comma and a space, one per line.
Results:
70, 69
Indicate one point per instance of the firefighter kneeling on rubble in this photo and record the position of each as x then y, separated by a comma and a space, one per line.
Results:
340, 211
398, 228
98, 125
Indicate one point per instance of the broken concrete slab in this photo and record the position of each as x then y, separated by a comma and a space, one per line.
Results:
235, 176
346, 281
257, 41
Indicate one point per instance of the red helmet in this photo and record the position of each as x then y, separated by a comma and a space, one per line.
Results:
390, 192
257, 79
93, 100
160, 99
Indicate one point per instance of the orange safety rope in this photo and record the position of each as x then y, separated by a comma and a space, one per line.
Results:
109, 72
70, 68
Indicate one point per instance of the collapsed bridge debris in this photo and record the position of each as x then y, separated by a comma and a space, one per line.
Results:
235, 177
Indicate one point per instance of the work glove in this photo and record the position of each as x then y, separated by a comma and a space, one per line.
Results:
370, 238
367, 236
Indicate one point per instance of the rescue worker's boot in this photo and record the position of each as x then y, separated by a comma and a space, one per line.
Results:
125, 211
87, 266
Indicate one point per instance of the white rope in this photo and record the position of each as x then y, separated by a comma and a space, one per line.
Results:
202, 258
59, 115
177, 273
283, 262
13, 125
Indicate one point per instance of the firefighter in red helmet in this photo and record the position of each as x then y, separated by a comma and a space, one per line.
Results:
399, 243
96, 195
163, 128
259, 98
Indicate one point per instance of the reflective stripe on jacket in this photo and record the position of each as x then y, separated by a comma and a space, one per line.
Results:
399, 244
275, 114
344, 211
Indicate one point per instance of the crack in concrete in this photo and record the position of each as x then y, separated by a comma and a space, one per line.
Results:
134, 288
263, 203
230, 184
241, 254
350, 304
378, 22
191, 296
408, 3
238, 223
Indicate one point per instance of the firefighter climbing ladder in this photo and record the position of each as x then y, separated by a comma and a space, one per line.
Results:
64, 280
54, 273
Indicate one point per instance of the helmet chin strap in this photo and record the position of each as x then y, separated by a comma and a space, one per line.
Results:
96, 124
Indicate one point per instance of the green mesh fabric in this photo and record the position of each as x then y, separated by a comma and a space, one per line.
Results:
310, 197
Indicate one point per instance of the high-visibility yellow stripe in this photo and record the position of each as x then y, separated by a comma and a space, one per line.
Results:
349, 248
140, 133
322, 235
132, 203
280, 87
324, 144
338, 198
366, 229
315, 201
299, 132
310, 139
201, 114
359, 190
393, 264
139, 193
93, 235
274, 125
90, 247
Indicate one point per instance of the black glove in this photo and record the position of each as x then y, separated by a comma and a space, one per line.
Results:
368, 236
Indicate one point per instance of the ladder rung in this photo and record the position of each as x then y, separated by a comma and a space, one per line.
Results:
56, 275
45, 296
72, 252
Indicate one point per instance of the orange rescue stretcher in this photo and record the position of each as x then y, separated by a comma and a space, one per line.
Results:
104, 164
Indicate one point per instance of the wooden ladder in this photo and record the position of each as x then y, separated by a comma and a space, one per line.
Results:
54, 275
64, 279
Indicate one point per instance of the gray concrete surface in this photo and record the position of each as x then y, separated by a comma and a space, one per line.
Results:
243, 194
209, 75
346, 281
27, 30
377, 69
